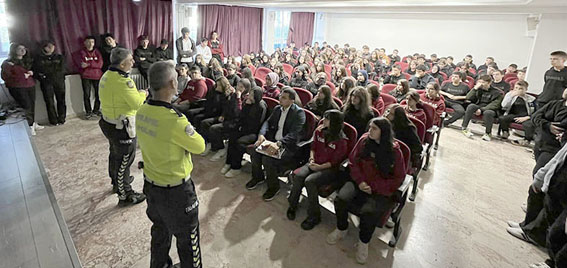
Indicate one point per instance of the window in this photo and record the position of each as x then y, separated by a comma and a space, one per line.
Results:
281, 29
4, 40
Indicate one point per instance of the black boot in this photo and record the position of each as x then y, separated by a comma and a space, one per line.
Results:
131, 198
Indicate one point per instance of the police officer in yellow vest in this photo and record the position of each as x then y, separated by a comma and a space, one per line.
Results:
167, 140
119, 102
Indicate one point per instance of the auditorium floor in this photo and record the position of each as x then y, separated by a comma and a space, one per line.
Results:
458, 219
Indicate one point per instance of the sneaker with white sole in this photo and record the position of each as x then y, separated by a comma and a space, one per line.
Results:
540, 265
335, 236
207, 150
519, 233
525, 207
486, 137
361, 252
513, 224
32, 130
220, 154
225, 169
232, 173
37, 126
467, 133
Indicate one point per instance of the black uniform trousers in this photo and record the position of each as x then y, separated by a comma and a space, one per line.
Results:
120, 158
457, 107
311, 180
88, 85
51, 89
272, 166
237, 144
25, 97
488, 116
174, 211
506, 120
557, 242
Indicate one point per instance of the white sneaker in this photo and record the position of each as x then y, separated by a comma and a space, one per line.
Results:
32, 130
361, 252
525, 207
335, 236
220, 154
467, 133
36, 126
225, 169
207, 149
233, 173
486, 137
513, 224
540, 265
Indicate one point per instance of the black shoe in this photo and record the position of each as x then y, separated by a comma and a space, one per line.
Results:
97, 113
290, 214
253, 183
132, 198
310, 222
270, 194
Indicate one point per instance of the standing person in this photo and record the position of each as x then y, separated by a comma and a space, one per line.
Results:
163, 52
49, 68
108, 44
167, 140
216, 47
18, 76
120, 100
89, 60
555, 79
185, 47
144, 56
204, 50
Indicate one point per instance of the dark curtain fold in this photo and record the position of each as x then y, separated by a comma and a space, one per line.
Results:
68, 22
239, 28
301, 27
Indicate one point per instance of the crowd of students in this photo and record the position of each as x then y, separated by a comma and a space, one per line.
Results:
226, 100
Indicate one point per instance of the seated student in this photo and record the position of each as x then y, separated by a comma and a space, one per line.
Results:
196, 89
512, 69
412, 67
404, 130
182, 78
420, 79
357, 110
247, 73
394, 76
202, 64
455, 95
465, 68
444, 67
212, 113
413, 106
498, 82
401, 90
322, 102
214, 70
163, 52
244, 131
328, 150
299, 80
432, 97
485, 100
469, 61
245, 62
377, 169
345, 89
320, 80
271, 88
339, 75
517, 108
204, 50
265, 62
144, 56
489, 61
394, 57
231, 75
421, 61
376, 100
435, 74
362, 78
284, 78
284, 136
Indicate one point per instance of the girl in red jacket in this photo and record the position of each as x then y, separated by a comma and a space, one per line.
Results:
328, 150
377, 169
432, 97
412, 106
216, 47
17, 74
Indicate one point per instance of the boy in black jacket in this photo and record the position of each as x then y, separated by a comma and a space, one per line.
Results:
49, 69
485, 100
163, 52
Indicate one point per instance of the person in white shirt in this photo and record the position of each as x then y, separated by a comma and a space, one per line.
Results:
205, 50
185, 47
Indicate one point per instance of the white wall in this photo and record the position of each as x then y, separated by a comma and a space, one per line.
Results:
501, 36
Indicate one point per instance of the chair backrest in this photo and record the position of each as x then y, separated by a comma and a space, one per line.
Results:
338, 101
332, 86
374, 82
328, 68
261, 72
280, 85
271, 103
388, 87
210, 84
445, 76
513, 83
351, 134
224, 72
310, 125
404, 65
470, 81
348, 71
406, 153
388, 99
510, 79
408, 76
429, 114
420, 127
304, 95
252, 68
259, 81
510, 75
375, 111
287, 68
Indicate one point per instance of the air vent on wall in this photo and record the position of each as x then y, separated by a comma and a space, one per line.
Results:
531, 25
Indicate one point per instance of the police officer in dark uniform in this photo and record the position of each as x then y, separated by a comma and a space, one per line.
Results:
119, 101
49, 69
167, 140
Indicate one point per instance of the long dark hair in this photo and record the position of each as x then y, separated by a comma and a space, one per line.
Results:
401, 120
326, 90
349, 85
26, 60
335, 130
383, 151
364, 104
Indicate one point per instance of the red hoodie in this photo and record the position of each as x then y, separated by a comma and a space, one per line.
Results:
14, 75
195, 90
333, 152
364, 170
438, 104
419, 114
379, 105
93, 59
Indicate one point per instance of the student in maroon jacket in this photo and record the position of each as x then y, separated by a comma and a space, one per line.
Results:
216, 47
412, 106
432, 97
377, 169
89, 61
17, 74
328, 150
195, 90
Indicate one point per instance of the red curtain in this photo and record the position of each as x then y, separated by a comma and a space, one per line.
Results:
239, 28
301, 27
68, 22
